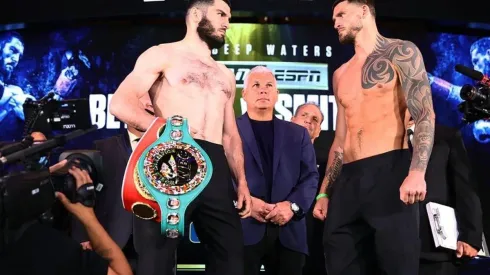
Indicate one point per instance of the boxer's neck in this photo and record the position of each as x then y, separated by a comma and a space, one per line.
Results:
366, 39
198, 46
135, 132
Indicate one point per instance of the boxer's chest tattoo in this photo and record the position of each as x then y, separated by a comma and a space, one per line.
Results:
206, 77
378, 67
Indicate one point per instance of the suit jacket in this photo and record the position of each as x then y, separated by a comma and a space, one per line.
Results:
449, 182
116, 220
294, 174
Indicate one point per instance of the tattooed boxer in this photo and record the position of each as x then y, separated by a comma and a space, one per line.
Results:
372, 206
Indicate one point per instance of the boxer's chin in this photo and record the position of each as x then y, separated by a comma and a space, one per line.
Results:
346, 39
215, 41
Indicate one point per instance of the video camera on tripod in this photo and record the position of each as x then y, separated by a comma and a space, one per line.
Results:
476, 99
28, 194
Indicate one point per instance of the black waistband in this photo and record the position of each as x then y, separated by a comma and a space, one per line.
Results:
210, 147
386, 160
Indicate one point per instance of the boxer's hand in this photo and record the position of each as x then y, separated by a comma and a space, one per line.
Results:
413, 188
260, 209
281, 214
244, 202
321, 208
464, 249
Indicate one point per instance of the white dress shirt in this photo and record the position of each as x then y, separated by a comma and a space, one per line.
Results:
133, 140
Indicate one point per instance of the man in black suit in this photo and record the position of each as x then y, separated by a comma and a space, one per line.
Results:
310, 116
132, 234
449, 182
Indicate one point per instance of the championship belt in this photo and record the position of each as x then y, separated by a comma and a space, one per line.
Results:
165, 173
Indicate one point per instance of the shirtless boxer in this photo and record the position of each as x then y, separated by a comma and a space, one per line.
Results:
373, 209
12, 97
183, 79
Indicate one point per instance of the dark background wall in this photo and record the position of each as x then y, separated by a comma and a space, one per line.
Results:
55, 10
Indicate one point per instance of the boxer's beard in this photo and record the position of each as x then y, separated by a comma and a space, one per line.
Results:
350, 37
206, 32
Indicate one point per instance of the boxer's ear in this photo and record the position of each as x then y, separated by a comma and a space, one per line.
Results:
196, 14
365, 11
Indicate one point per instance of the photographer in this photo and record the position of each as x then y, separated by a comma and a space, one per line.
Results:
43, 250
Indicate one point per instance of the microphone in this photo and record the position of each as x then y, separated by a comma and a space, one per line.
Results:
475, 75
17, 146
45, 146
47, 97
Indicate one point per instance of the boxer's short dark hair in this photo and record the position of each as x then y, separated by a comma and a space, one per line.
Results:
6, 37
369, 3
193, 3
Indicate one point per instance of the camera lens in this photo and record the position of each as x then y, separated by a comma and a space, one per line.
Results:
468, 92
471, 93
67, 183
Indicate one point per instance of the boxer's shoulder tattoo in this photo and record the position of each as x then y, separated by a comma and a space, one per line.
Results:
405, 57
378, 68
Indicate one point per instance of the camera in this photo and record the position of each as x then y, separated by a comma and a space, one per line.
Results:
476, 102
88, 160
25, 195
476, 99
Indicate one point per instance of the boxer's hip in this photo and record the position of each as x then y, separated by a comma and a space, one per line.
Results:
382, 163
384, 173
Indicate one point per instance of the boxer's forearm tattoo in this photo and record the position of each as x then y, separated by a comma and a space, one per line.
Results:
408, 60
333, 171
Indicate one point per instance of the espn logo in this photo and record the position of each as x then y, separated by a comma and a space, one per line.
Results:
289, 75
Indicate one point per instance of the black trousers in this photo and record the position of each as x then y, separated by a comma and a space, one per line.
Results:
437, 268
367, 224
277, 259
315, 261
216, 221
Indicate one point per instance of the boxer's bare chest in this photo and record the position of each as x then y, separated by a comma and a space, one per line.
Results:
370, 79
198, 78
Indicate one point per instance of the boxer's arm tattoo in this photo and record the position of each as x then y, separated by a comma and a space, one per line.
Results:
415, 84
377, 68
333, 170
414, 81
